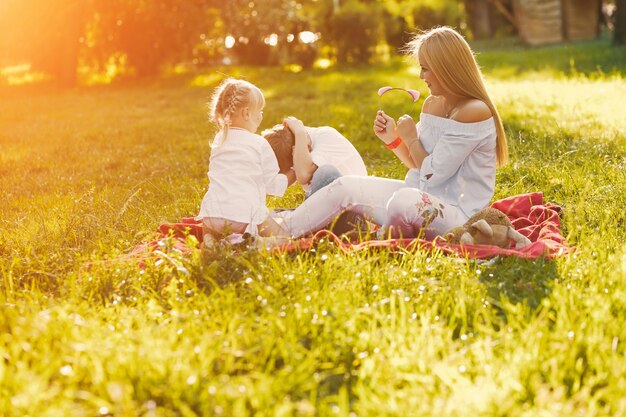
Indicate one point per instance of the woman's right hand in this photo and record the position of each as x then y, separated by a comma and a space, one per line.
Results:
407, 129
385, 127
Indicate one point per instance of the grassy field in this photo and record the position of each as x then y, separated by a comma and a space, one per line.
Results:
87, 174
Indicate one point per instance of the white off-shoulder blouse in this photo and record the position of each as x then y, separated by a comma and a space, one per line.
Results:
461, 166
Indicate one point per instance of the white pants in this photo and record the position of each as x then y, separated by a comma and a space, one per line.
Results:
404, 212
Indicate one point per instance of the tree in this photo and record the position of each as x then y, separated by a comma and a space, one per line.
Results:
619, 36
45, 33
354, 30
149, 33
397, 32
249, 23
264, 30
488, 18
481, 18
54, 35
402, 18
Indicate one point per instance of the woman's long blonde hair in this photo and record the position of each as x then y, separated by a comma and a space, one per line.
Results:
448, 55
229, 97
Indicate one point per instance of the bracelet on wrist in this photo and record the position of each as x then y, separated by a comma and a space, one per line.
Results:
394, 144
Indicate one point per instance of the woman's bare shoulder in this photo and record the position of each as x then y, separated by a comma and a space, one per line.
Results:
431, 105
472, 111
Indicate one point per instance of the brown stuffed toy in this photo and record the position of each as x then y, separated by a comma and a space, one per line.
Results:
489, 226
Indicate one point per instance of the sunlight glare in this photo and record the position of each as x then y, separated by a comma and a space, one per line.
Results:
115, 66
15, 69
323, 63
206, 80
229, 42
295, 68
271, 40
307, 37
20, 74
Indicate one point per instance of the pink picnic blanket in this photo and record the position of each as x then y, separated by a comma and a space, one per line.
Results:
533, 218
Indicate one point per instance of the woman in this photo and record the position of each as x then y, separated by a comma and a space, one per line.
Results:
452, 152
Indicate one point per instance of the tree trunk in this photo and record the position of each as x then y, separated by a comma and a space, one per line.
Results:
58, 40
479, 18
619, 36
70, 48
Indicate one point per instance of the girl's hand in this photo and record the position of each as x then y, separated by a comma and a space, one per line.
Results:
385, 127
406, 129
293, 124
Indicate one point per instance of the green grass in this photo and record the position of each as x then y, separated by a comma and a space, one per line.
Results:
86, 175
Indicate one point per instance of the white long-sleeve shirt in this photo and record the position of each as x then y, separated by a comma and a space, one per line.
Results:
328, 146
242, 172
461, 166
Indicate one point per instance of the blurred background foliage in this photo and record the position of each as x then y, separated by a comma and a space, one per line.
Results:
94, 41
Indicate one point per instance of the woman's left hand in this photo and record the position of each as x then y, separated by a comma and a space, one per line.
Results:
406, 128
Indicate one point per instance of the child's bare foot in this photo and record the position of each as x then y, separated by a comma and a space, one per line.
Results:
208, 241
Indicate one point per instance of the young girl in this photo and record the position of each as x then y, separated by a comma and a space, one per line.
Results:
242, 168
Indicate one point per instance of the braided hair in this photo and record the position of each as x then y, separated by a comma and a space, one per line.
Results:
229, 97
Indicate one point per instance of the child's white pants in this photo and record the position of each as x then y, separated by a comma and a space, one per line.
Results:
401, 210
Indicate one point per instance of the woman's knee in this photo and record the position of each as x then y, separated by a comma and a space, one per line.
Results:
402, 202
327, 173
322, 177
346, 184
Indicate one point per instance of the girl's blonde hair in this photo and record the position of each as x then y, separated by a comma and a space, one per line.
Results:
229, 97
448, 55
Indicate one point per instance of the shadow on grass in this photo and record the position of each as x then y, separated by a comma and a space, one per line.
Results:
519, 281
225, 266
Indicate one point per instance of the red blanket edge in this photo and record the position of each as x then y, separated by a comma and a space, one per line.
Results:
530, 216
